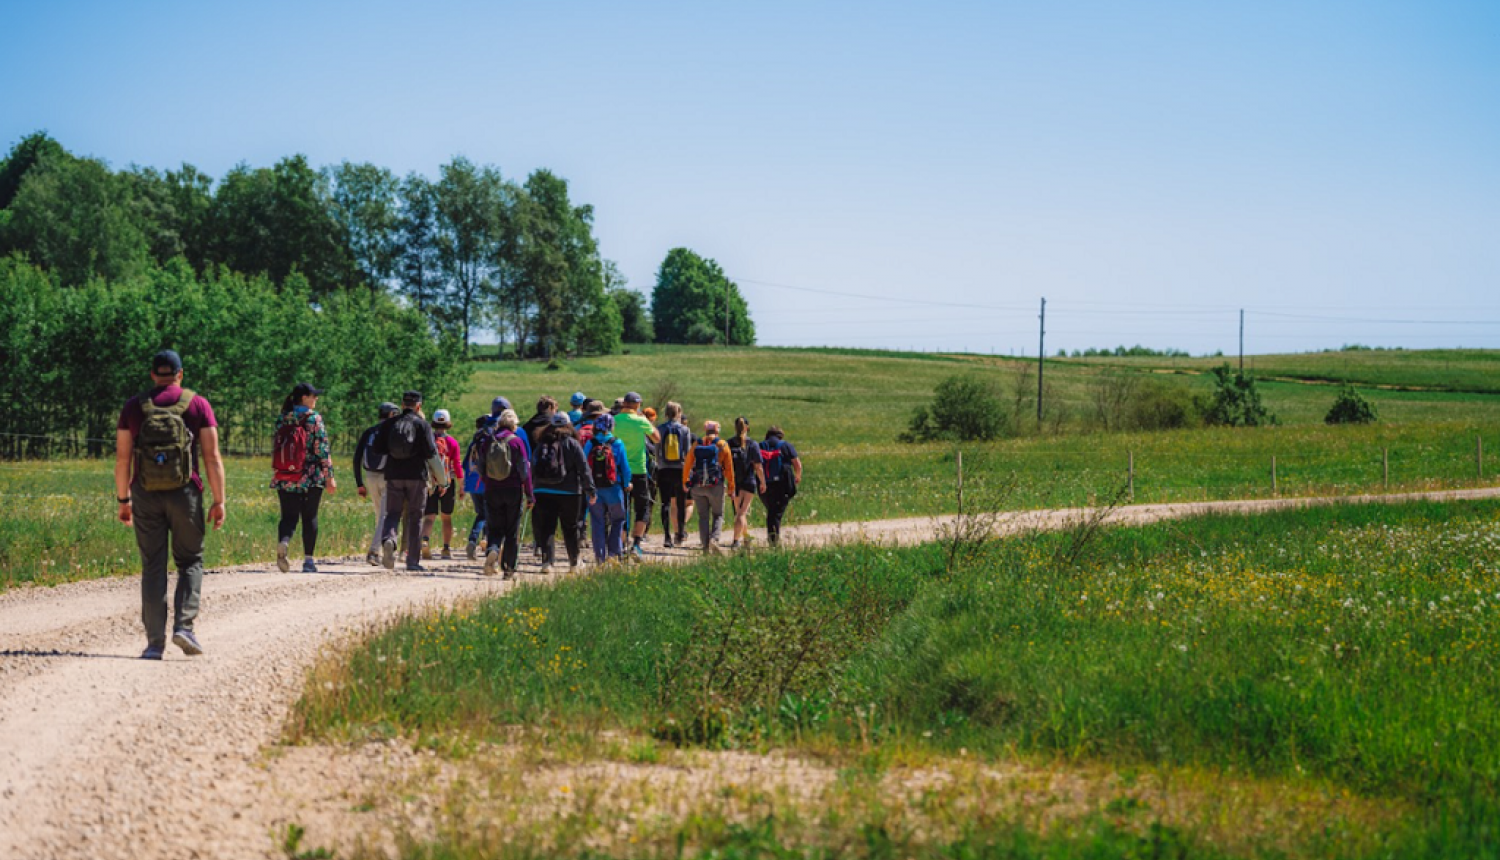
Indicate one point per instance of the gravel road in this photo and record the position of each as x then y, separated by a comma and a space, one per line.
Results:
103, 755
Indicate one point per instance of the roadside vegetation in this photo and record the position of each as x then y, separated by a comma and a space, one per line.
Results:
1335, 661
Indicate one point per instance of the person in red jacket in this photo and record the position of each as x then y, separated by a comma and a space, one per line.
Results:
443, 501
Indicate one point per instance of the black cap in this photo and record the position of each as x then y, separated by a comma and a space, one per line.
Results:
166, 363
411, 398
303, 389
387, 409
632, 397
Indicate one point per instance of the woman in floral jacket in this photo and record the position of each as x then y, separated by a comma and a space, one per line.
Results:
303, 466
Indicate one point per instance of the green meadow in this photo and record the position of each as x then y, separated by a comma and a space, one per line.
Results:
843, 410
1221, 680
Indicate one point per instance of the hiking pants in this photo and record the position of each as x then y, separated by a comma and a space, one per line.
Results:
304, 507
669, 487
481, 516
163, 516
375, 490
551, 510
710, 502
608, 517
405, 500
775, 498
502, 522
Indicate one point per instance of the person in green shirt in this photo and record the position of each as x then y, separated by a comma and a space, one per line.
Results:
634, 429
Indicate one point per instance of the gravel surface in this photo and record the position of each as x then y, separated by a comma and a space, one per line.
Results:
103, 755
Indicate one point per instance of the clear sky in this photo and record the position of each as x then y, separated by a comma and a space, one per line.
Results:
880, 174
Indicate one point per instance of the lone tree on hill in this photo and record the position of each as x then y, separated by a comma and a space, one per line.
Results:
688, 303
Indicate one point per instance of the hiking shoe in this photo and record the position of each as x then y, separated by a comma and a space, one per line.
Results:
388, 555
666, 542
508, 573
308, 566
447, 551
185, 640
491, 561
546, 568
426, 551
636, 553
153, 652
373, 558
281, 560
682, 539
416, 568
734, 545
472, 550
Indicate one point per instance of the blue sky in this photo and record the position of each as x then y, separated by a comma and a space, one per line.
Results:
881, 174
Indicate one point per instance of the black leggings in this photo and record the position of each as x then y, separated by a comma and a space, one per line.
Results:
304, 507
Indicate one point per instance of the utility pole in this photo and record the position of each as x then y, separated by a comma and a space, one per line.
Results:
1242, 341
1041, 360
726, 313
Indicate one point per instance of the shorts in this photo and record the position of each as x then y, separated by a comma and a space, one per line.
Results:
441, 504
640, 493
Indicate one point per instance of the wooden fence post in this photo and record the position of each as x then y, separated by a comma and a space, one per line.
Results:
1273, 474
1479, 456
1131, 475
1385, 468
959, 457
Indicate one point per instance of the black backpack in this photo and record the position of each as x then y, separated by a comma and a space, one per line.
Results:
403, 443
740, 456
549, 466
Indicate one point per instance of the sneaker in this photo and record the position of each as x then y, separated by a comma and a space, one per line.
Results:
546, 568
153, 652
426, 551
666, 542
508, 573
491, 561
185, 640
416, 568
308, 566
281, 560
373, 558
682, 539
447, 551
472, 551
388, 555
734, 546
636, 553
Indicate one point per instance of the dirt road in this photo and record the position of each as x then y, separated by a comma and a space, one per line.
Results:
103, 755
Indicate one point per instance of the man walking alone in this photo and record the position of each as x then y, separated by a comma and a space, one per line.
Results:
161, 436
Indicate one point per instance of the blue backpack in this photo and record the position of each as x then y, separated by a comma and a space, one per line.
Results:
771, 456
707, 471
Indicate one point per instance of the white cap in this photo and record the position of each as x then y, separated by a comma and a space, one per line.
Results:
442, 417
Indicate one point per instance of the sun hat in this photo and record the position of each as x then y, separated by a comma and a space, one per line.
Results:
441, 418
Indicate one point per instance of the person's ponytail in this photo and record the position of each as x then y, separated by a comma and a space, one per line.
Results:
742, 431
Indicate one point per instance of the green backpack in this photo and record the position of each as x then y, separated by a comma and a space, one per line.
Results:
164, 447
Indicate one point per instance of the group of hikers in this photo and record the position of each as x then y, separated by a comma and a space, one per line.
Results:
586, 468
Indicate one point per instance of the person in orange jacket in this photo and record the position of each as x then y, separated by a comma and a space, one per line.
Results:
707, 474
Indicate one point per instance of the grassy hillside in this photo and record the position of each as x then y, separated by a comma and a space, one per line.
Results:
1471, 370
843, 409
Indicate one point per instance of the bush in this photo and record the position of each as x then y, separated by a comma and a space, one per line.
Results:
1351, 407
1163, 406
1235, 401
963, 409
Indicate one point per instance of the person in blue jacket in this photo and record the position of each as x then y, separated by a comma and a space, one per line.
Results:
609, 466
576, 413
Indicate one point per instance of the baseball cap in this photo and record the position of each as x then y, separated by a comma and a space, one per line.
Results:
604, 424
578, 399
441, 418
302, 389
166, 362
387, 409
498, 405
632, 397
411, 397
560, 419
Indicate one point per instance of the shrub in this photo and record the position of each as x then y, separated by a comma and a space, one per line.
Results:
1163, 406
1235, 401
963, 409
1351, 407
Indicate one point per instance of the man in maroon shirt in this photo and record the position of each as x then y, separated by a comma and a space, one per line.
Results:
176, 515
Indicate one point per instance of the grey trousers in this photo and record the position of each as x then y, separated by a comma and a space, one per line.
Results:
404, 504
710, 506
163, 518
375, 490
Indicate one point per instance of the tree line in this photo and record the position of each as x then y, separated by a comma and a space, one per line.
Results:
470, 250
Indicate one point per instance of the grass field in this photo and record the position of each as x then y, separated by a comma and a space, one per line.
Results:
843, 409
1339, 658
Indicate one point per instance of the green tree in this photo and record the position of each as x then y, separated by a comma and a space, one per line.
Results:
1351, 407
635, 317
25, 155
1235, 401
366, 206
688, 304
963, 409
278, 220
473, 216
417, 265
560, 275
75, 217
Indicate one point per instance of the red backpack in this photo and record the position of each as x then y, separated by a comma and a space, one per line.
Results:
289, 452
602, 463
